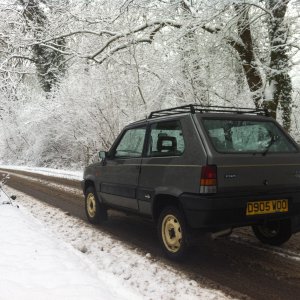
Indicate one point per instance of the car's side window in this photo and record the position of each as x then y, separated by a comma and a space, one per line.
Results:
166, 139
131, 144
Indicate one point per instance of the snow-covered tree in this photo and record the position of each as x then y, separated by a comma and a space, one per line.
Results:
73, 73
48, 57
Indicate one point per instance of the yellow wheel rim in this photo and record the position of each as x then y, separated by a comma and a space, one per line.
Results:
91, 205
171, 233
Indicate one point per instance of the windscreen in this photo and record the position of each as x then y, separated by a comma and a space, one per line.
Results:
240, 136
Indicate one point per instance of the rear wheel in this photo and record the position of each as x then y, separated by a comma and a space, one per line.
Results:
94, 210
172, 232
273, 233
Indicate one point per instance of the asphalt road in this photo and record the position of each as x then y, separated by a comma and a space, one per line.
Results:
236, 265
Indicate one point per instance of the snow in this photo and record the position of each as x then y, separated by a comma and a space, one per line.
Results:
295, 73
287, 253
58, 256
293, 11
269, 91
68, 174
36, 265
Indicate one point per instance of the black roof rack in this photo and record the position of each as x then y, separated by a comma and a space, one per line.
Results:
193, 108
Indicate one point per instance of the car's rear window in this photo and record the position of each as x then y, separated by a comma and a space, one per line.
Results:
244, 136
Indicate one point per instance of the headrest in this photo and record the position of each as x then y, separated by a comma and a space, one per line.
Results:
168, 143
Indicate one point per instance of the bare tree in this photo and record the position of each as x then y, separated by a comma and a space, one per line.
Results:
126, 58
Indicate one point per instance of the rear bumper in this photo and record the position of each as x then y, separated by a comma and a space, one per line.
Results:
215, 212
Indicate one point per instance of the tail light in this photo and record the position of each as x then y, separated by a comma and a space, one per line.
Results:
208, 181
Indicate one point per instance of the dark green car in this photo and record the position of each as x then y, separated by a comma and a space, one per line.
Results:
201, 169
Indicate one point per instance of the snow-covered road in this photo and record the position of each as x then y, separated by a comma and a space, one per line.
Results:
60, 257
35, 264
126, 248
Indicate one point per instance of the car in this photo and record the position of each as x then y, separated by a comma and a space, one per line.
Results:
198, 169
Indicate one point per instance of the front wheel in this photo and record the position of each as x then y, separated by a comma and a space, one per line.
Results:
172, 232
94, 210
273, 233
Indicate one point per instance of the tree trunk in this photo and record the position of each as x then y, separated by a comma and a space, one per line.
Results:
191, 64
246, 53
279, 76
49, 63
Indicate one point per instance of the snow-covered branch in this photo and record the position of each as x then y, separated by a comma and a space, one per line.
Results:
121, 47
136, 30
77, 32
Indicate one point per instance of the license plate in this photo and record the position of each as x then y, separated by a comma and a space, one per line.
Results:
267, 207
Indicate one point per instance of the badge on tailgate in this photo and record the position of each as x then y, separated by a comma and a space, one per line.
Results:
267, 207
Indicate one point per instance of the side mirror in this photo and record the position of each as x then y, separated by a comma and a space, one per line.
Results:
102, 155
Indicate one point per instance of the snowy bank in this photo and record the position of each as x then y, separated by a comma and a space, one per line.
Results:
35, 265
68, 174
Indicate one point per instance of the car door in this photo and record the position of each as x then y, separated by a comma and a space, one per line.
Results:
166, 163
120, 172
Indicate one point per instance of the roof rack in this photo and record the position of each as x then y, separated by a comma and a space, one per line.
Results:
193, 108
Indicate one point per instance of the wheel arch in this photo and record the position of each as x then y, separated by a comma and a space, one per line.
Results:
161, 201
88, 183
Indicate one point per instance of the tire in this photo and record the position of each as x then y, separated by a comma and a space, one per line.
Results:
94, 210
273, 233
173, 233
